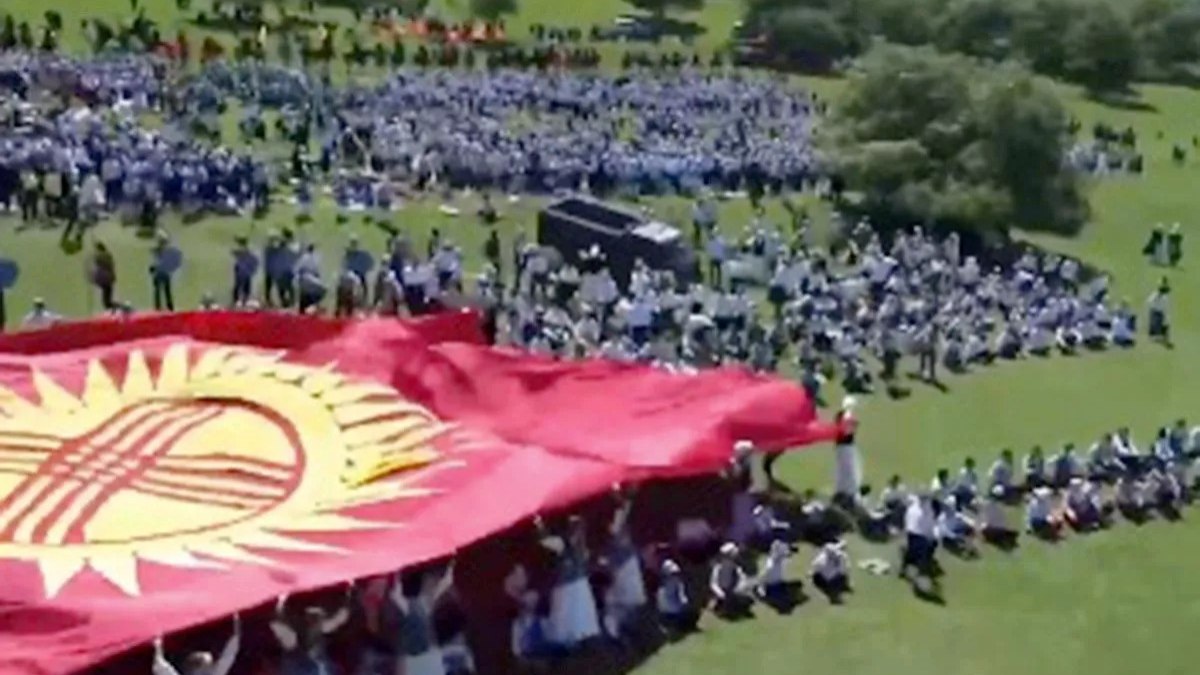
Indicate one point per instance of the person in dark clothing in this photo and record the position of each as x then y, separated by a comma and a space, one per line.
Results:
160, 276
104, 275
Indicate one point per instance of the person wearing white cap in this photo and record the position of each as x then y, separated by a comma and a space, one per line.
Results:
830, 570
1040, 516
574, 618
728, 583
848, 465
675, 610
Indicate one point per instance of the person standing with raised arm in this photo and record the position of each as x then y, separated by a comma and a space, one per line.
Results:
201, 663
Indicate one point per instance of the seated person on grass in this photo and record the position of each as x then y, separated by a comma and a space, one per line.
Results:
676, 613
994, 521
729, 585
1082, 507
1041, 517
831, 571
1000, 476
956, 530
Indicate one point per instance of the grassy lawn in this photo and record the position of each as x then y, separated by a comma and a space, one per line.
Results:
1115, 603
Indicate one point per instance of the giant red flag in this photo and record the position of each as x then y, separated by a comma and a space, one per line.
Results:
162, 472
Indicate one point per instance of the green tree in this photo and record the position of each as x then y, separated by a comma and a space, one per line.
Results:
977, 27
492, 10
1168, 32
811, 37
1040, 34
928, 137
1102, 50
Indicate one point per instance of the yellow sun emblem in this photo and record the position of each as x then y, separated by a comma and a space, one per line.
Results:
192, 464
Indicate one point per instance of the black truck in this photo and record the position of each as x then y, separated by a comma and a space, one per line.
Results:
574, 225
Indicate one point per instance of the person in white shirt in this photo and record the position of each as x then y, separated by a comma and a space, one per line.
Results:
201, 663
1082, 507
1041, 517
771, 586
1102, 461
728, 584
920, 536
574, 617
40, 316
848, 464
1000, 476
955, 530
830, 571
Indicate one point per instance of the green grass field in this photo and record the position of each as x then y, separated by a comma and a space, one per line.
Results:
1110, 604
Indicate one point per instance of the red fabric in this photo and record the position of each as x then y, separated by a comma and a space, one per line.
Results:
528, 436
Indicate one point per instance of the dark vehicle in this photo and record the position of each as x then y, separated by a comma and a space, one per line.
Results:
575, 224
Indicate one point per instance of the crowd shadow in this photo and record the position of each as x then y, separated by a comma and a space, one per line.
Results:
1128, 100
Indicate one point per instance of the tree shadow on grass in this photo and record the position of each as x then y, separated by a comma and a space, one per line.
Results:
670, 26
1128, 100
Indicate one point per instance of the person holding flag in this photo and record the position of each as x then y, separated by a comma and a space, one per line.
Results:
201, 663
419, 652
304, 648
626, 594
574, 618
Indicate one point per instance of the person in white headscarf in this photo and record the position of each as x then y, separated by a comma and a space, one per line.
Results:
574, 618
847, 462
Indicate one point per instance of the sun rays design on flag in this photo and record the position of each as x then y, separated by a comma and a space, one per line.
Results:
220, 457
